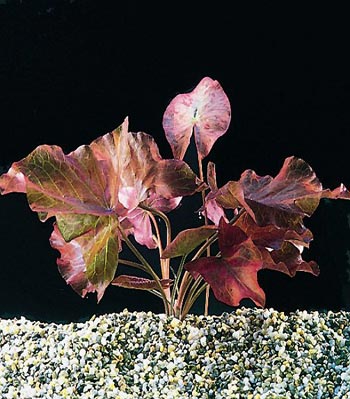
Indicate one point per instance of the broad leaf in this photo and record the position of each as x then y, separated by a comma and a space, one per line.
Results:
95, 190
187, 240
288, 260
206, 111
88, 263
283, 201
233, 275
280, 248
271, 236
139, 283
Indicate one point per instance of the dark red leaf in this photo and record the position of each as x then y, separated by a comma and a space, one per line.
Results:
139, 283
288, 260
271, 236
283, 201
280, 248
233, 275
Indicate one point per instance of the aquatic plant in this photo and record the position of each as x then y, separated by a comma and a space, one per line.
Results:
117, 192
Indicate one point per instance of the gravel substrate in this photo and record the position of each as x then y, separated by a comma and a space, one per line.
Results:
248, 354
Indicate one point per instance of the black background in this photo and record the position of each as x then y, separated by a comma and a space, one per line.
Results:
71, 71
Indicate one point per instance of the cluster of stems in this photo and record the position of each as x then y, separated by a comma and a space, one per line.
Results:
178, 297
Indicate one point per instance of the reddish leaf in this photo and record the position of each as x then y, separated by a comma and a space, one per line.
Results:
340, 192
206, 111
56, 183
187, 240
161, 204
283, 201
271, 236
92, 191
233, 276
175, 178
280, 247
139, 283
211, 176
288, 260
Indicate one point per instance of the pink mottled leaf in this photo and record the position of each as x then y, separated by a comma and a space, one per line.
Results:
93, 192
187, 240
139, 283
142, 228
206, 111
233, 275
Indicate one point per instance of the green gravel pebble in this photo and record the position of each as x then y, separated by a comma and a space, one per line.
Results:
249, 353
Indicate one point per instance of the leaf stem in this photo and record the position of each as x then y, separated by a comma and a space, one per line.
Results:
176, 286
164, 217
155, 224
132, 264
185, 283
195, 292
164, 263
148, 268
201, 177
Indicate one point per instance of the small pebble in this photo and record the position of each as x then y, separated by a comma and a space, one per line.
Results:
250, 353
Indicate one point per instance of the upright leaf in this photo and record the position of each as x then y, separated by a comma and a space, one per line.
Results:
206, 111
211, 207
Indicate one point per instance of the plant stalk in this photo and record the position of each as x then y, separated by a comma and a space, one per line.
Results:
164, 263
201, 177
148, 268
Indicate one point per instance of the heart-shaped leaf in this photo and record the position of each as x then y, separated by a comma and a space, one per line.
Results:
206, 111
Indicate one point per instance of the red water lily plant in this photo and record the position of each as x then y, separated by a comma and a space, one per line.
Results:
115, 193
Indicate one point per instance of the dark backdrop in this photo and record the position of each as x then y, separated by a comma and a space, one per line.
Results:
71, 71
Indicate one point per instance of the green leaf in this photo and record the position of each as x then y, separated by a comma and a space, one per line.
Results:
187, 240
89, 262
93, 191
